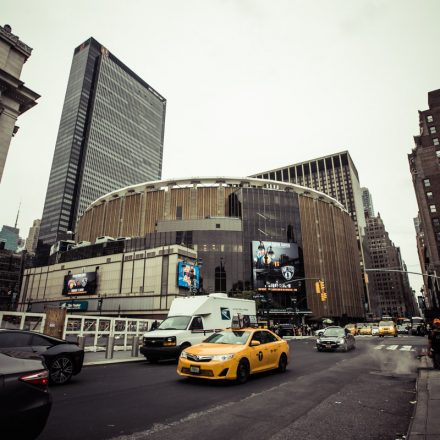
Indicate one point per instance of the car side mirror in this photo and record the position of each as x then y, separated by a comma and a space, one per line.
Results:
255, 343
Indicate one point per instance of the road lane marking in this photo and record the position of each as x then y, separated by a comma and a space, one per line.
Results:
379, 347
392, 347
406, 348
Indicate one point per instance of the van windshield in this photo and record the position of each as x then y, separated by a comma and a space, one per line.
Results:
175, 323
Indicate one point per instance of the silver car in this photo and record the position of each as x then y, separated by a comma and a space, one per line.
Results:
335, 338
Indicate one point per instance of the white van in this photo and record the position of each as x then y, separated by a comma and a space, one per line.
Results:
190, 321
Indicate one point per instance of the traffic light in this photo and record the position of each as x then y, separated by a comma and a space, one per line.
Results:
319, 286
323, 296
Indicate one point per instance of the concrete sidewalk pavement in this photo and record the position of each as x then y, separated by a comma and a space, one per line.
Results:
426, 422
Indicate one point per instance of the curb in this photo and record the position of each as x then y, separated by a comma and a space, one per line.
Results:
418, 424
113, 361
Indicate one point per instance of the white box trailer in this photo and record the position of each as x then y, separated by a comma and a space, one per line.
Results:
190, 321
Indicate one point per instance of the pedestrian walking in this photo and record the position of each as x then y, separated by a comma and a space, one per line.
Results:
434, 343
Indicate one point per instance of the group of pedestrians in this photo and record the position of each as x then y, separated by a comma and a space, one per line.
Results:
434, 343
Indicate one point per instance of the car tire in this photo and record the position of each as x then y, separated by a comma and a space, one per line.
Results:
282, 363
243, 371
395, 336
345, 348
319, 349
61, 370
153, 359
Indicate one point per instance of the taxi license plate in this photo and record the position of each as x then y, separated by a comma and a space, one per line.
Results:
194, 369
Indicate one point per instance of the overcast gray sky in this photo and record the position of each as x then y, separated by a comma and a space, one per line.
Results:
251, 85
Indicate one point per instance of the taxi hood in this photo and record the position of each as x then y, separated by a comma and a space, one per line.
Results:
206, 349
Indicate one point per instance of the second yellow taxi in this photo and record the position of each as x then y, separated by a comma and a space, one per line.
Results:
234, 354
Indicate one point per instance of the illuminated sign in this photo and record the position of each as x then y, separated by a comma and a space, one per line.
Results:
80, 284
275, 266
188, 275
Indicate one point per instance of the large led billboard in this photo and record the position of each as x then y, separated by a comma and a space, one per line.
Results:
188, 275
275, 266
80, 284
278, 269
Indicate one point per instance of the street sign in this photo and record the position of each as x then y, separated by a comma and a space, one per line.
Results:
75, 305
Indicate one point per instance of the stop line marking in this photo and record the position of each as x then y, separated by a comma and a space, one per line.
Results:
394, 347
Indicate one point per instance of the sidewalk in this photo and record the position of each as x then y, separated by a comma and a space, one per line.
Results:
426, 422
98, 358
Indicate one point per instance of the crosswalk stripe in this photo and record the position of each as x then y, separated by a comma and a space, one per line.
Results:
394, 347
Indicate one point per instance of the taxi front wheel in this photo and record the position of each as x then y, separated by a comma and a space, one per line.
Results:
243, 371
282, 363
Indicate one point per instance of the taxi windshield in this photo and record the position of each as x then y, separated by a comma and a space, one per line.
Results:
334, 332
386, 323
175, 323
236, 338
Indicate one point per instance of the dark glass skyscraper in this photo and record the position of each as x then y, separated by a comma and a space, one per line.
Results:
110, 135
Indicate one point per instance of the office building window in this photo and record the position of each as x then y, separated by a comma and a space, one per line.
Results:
429, 118
429, 195
432, 130
436, 221
432, 208
435, 141
438, 236
426, 182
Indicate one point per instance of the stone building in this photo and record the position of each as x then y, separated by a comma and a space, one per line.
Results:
15, 98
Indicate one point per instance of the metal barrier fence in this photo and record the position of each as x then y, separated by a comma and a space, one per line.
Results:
23, 321
96, 331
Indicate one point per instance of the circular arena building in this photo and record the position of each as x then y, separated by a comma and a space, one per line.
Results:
266, 239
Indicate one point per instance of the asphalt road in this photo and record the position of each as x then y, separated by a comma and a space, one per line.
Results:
367, 393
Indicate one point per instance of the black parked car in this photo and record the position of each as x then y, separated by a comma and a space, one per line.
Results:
334, 338
63, 359
285, 330
25, 401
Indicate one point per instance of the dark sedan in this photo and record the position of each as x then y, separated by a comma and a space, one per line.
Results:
63, 359
24, 398
334, 338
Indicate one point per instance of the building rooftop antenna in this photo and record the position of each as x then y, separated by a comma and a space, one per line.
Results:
18, 213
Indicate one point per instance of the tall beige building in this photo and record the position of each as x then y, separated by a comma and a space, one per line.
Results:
32, 240
15, 98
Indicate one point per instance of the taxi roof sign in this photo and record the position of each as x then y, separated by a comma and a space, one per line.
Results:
243, 321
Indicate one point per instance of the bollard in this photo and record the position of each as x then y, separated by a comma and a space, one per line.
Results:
81, 342
135, 347
110, 347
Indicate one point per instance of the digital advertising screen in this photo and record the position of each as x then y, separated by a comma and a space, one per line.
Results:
188, 275
278, 269
275, 265
80, 284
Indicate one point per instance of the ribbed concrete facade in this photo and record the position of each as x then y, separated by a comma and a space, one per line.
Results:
322, 228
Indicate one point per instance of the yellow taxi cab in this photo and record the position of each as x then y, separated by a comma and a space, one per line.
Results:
234, 354
352, 328
387, 328
367, 329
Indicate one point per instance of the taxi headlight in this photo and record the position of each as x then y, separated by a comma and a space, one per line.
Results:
184, 355
222, 357
318, 341
341, 341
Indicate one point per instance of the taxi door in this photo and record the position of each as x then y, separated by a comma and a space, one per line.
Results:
259, 356
274, 349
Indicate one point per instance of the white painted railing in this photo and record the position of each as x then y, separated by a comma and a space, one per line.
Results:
23, 321
97, 329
